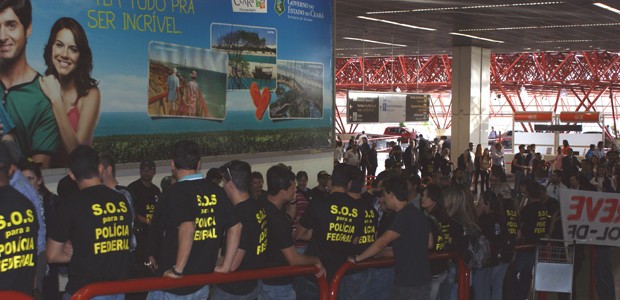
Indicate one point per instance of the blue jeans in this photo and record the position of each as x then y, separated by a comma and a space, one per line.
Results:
422, 292
436, 283
306, 288
524, 264
219, 294
518, 176
382, 280
67, 296
277, 292
481, 279
355, 286
202, 293
498, 273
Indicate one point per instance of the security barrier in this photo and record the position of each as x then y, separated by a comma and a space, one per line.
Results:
161, 283
14, 295
462, 271
326, 291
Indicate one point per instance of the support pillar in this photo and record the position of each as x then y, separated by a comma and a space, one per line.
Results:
471, 93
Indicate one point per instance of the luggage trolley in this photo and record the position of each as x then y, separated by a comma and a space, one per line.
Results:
553, 269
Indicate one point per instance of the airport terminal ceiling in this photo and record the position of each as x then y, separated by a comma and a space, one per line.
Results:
386, 28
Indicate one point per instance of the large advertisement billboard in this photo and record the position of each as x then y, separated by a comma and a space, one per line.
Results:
236, 76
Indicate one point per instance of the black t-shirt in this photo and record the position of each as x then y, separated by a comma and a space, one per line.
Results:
411, 247
280, 237
371, 222
335, 221
144, 199
18, 237
198, 201
97, 221
254, 240
317, 194
511, 216
493, 229
445, 232
533, 222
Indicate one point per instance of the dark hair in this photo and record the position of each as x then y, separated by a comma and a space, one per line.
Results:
22, 8
279, 178
396, 186
357, 180
213, 174
341, 175
301, 175
240, 172
256, 175
84, 66
108, 161
495, 204
83, 162
186, 155
36, 169
434, 192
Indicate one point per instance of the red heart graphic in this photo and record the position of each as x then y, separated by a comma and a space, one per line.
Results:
255, 93
263, 103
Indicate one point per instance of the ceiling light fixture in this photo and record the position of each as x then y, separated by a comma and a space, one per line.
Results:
541, 27
562, 41
476, 37
372, 41
464, 7
607, 7
396, 23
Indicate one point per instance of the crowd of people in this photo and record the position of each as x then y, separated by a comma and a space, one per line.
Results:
97, 230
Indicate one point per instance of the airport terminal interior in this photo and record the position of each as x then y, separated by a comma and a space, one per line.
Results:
511, 72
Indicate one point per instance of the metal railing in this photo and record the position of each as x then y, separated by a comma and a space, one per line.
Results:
161, 283
462, 271
14, 295
327, 290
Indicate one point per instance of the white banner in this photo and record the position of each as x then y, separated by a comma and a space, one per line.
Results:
591, 217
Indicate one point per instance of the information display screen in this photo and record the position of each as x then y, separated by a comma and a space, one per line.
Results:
377, 107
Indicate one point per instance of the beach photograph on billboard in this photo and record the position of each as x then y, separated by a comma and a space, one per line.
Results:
186, 82
251, 54
299, 94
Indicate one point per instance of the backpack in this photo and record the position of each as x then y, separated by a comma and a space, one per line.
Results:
478, 252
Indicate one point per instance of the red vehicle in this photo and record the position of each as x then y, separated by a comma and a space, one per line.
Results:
403, 133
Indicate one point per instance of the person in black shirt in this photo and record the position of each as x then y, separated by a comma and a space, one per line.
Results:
444, 232
18, 232
95, 223
247, 236
281, 250
145, 197
533, 220
322, 189
496, 217
188, 225
356, 284
410, 247
331, 225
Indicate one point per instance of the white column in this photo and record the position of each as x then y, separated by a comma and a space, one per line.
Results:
471, 93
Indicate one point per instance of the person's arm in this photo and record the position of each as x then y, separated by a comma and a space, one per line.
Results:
89, 114
186, 238
302, 233
376, 247
295, 259
291, 209
233, 236
56, 252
